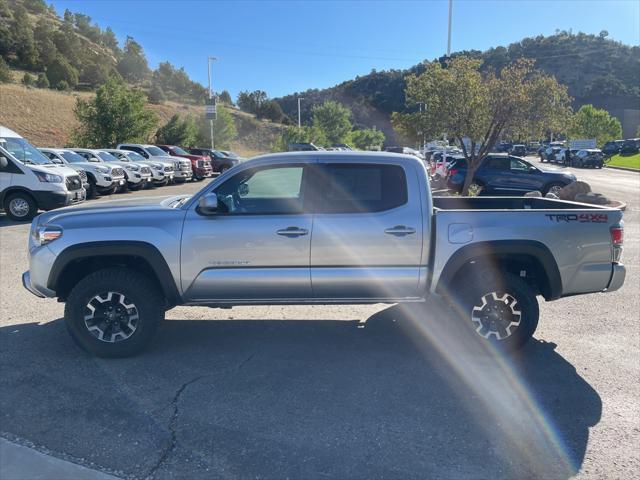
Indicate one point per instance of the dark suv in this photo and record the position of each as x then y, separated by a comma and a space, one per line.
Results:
219, 161
518, 150
631, 145
506, 174
613, 147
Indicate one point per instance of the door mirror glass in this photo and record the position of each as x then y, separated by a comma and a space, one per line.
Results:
4, 163
208, 204
243, 189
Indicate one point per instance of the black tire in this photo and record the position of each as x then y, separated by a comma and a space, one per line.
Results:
491, 304
107, 191
127, 287
551, 187
20, 206
92, 191
134, 187
224, 168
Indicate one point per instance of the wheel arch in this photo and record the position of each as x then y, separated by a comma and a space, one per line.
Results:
16, 189
77, 261
511, 255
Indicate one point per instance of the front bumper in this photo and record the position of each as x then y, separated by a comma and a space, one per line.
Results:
183, 174
203, 172
618, 275
49, 200
26, 283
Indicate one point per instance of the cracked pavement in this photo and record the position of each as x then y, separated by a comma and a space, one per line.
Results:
305, 392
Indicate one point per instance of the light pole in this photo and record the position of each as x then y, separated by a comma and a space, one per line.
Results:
449, 32
210, 60
299, 123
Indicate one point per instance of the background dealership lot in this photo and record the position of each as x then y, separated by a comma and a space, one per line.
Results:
266, 392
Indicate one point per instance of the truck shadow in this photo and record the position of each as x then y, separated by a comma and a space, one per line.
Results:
299, 399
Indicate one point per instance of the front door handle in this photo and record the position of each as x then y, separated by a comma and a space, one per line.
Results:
400, 231
292, 232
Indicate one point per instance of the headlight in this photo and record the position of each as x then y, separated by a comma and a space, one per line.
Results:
102, 169
48, 177
133, 168
157, 166
47, 234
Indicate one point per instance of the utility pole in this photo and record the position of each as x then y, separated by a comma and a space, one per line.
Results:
210, 60
449, 33
299, 123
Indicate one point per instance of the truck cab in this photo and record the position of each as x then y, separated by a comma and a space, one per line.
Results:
29, 181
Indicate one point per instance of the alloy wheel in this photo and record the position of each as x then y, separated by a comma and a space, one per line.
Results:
111, 317
497, 314
19, 207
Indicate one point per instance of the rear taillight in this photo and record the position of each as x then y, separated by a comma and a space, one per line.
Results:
617, 235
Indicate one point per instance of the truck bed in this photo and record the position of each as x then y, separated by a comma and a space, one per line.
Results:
509, 203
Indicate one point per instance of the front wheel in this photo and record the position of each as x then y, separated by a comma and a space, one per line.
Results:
501, 308
114, 312
20, 206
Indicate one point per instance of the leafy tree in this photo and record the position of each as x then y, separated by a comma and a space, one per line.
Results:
5, 12
95, 73
28, 80
156, 95
117, 114
178, 131
23, 41
225, 97
110, 40
270, 110
35, 6
295, 134
224, 129
44, 36
133, 64
332, 118
367, 138
462, 101
62, 85
250, 101
591, 122
5, 72
43, 81
60, 70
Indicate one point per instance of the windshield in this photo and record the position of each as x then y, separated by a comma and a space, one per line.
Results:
218, 153
24, 151
135, 157
156, 152
73, 157
107, 157
180, 151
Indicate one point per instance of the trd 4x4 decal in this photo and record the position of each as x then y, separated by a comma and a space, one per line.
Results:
578, 217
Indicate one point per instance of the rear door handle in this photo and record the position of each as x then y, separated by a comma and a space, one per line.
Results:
292, 232
400, 231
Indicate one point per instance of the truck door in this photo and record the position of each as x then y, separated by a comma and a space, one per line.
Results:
257, 246
367, 232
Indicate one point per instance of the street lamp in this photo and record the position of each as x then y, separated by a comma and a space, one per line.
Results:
299, 123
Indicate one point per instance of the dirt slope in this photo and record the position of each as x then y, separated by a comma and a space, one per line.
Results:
45, 118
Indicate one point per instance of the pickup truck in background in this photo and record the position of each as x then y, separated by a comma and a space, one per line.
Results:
319, 228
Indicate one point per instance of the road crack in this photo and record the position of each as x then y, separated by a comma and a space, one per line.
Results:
173, 421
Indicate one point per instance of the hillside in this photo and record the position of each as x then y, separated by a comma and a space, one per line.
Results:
595, 69
46, 118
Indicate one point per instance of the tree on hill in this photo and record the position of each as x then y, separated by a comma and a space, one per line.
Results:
591, 122
24, 44
270, 110
178, 131
61, 71
250, 101
5, 72
332, 119
295, 134
117, 114
44, 36
156, 95
225, 97
42, 81
466, 103
224, 129
133, 65
367, 138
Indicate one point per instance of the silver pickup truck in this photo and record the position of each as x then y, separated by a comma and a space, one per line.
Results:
318, 228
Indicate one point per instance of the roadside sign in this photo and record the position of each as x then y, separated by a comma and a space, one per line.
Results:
581, 144
210, 109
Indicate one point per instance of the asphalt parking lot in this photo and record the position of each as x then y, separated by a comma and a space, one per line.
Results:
332, 392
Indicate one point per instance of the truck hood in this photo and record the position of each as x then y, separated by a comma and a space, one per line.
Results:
55, 169
121, 206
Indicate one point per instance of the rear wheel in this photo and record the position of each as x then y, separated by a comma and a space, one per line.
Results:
114, 312
20, 206
501, 308
553, 188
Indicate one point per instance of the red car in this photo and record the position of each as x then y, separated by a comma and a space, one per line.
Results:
200, 165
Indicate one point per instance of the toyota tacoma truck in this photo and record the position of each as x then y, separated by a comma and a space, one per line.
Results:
318, 228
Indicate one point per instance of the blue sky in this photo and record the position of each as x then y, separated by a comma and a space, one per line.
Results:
287, 46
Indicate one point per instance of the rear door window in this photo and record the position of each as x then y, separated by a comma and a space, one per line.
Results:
360, 188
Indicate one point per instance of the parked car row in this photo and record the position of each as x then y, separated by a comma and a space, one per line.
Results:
28, 175
625, 147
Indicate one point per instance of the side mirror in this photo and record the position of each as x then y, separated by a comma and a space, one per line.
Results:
208, 204
4, 163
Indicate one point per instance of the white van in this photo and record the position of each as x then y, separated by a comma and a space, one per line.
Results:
29, 181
